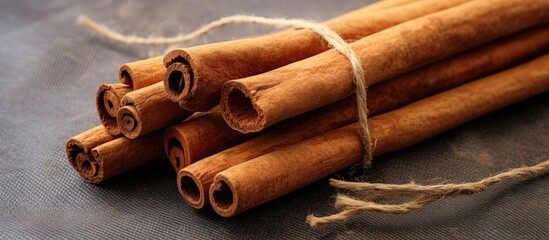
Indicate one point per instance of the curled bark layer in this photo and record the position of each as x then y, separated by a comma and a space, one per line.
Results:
195, 75
253, 103
250, 184
107, 101
146, 110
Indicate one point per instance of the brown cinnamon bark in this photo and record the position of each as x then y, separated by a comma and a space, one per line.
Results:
267, 177
107, 101
195, 180
192, 140
195, 75
83, 143
146, 110
120, 155
459, 69
140, 74
253, 103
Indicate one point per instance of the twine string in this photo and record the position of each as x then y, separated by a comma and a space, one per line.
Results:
422, 194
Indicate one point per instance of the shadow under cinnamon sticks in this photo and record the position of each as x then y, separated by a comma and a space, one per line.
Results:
194, 181
274, 174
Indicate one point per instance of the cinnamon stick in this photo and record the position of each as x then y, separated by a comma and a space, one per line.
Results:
142, 73
253, 103
83, 143
267, 177
148, 109
194, 181
108, 99
459, 69
194, 76
120, 155
192, 140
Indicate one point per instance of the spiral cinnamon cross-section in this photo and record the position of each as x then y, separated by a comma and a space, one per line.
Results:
146, 110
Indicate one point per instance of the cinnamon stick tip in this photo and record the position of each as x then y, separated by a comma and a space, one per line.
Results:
93, 174
88, 168
125, 74
178, 81
107, 105
83, 162
173, 146
129, 121
176, 55
189, 188
73, 148
222, 198
238, 109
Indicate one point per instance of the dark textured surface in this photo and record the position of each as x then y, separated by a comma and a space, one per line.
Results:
50, 69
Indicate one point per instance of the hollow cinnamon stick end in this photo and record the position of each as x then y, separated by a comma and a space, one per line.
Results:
125, 74
178, 81
129, 121
142, 73
222, 197
238, 109
173, 146
108, 102
85, 141
73, 149
89, 168
83, 162
191, 189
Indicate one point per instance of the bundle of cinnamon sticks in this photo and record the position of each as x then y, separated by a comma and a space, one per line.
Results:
246, 121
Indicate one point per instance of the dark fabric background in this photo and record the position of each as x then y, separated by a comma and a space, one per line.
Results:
50, 69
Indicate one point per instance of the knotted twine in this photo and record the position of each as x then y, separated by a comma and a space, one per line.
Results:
421, 194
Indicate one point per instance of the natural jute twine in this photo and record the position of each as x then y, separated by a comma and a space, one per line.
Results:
421, 194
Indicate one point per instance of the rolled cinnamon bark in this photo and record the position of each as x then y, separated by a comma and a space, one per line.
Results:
459, 69
194, 181
120, 155
140, 74
107, 101
267, 177
192, 140
83, 143
253, 103
146, 110
194, 76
